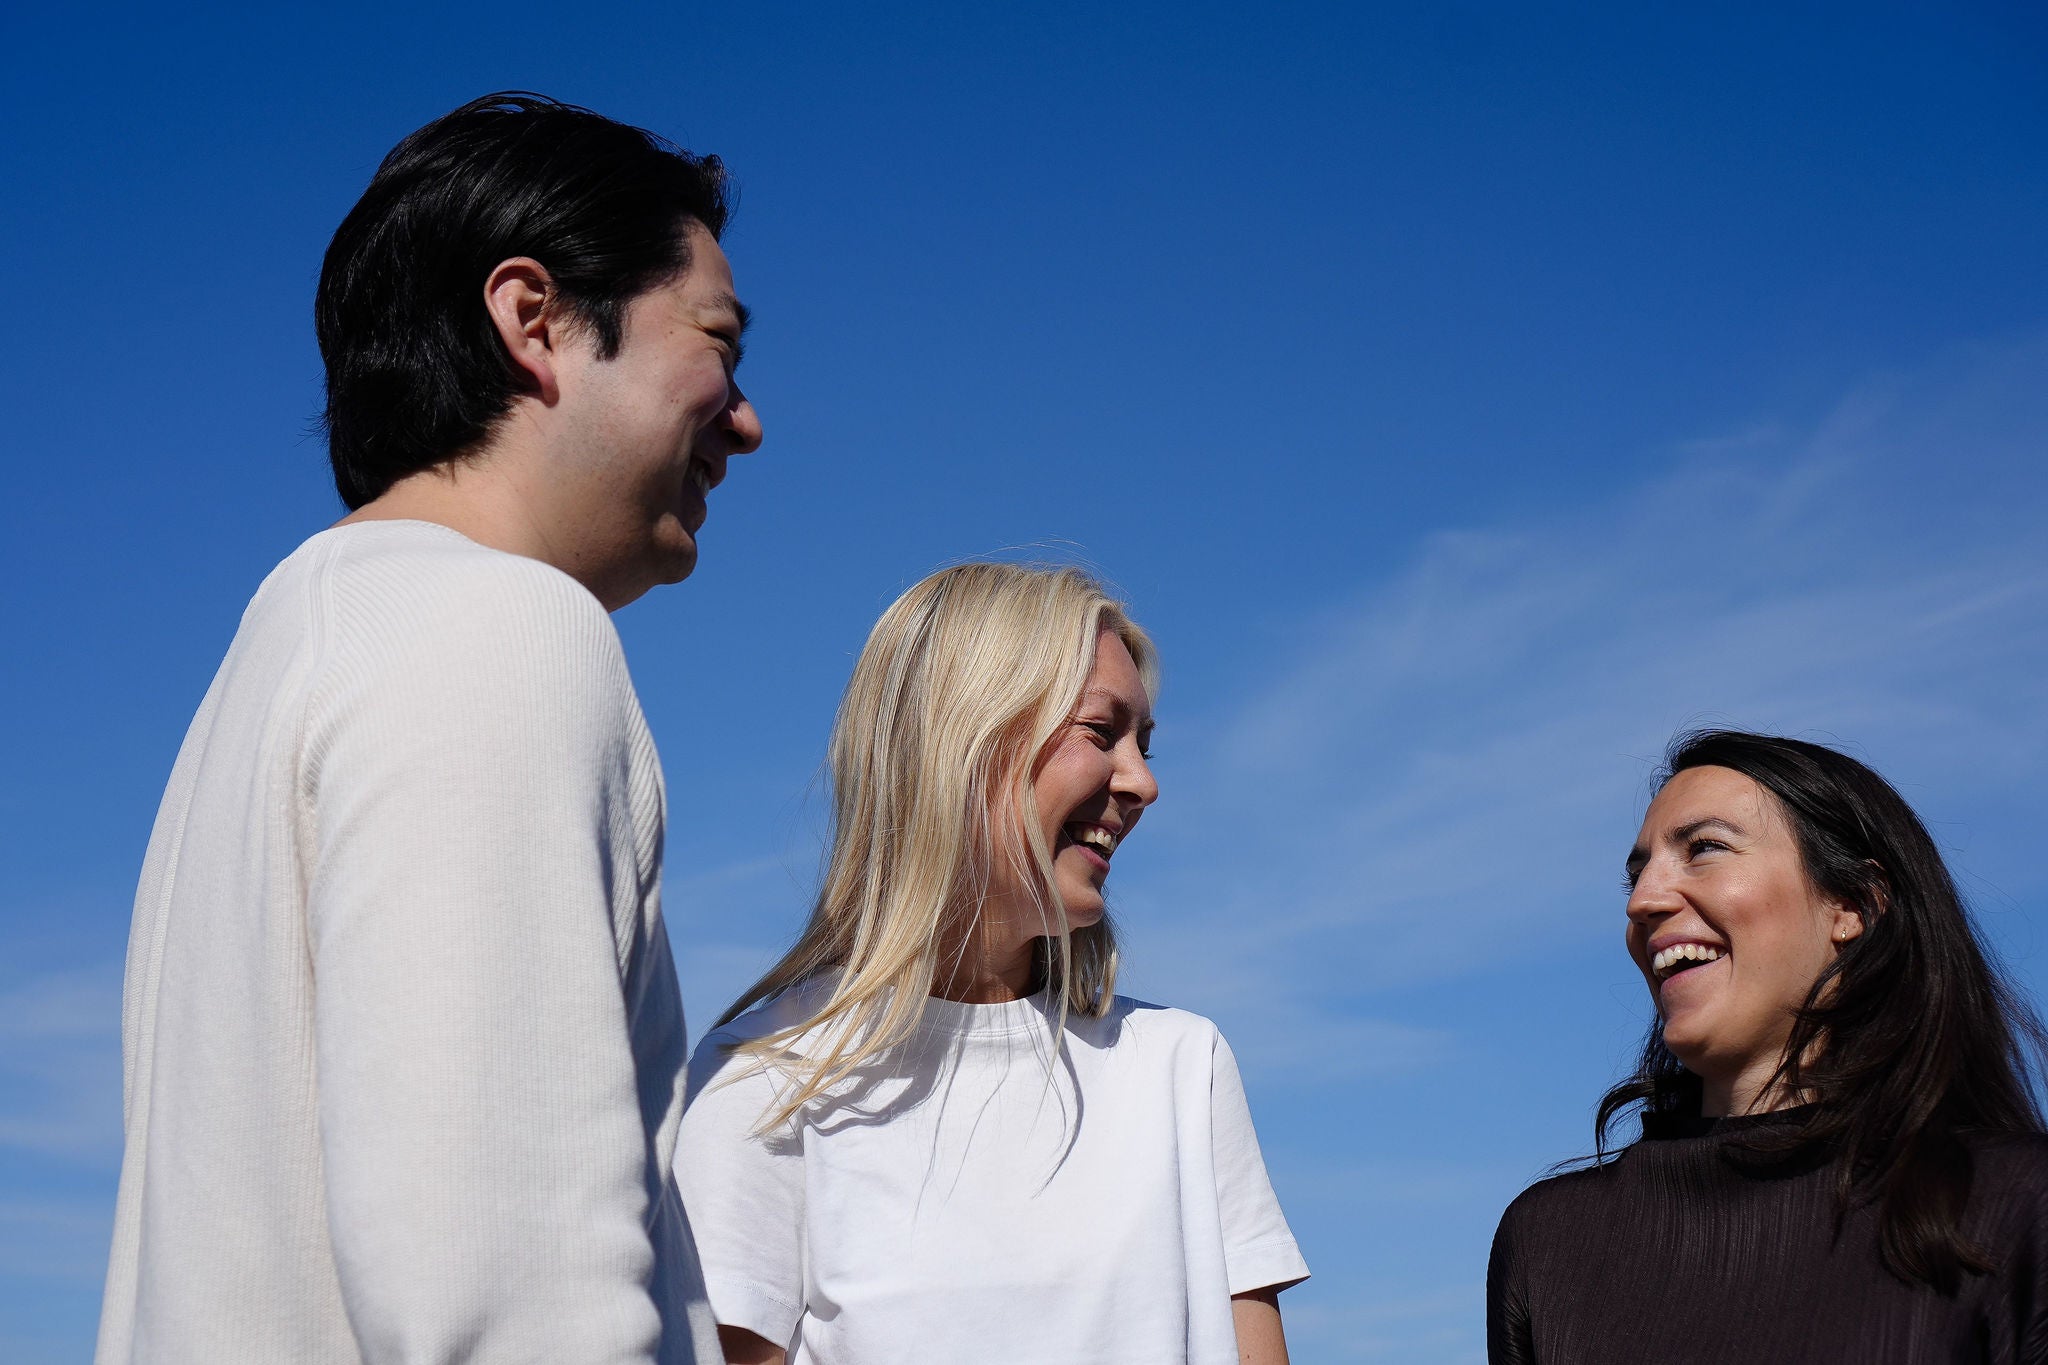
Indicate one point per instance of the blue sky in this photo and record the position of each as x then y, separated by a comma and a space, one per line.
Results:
1466, 397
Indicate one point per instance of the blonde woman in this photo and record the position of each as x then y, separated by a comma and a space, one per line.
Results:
932, 1132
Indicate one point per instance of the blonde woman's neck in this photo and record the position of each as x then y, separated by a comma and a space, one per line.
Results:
985, 974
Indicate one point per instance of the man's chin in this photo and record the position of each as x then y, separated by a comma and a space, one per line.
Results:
628, 585
677, 559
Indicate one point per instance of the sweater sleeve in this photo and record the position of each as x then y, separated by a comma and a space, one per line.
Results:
2027, 1307
2009, 1202
1259, 1249
468, 809
1508, 1339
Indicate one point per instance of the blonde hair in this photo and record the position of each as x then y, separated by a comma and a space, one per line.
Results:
960, 687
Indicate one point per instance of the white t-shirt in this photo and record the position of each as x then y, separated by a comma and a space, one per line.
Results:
974, 1198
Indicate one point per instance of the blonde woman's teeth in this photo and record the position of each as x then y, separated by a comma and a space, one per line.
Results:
1095, 837
1680, 956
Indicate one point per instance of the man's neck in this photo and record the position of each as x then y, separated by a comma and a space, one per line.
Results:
485, 498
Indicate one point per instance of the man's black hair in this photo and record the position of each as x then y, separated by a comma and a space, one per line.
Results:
416, 374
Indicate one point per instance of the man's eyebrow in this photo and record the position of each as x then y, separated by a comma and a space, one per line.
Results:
729, 301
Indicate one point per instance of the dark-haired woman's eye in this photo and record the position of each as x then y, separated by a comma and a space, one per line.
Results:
1699, 846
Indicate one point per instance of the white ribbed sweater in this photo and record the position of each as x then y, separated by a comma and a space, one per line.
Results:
404, 1049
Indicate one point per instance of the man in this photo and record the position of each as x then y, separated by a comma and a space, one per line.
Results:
404, 1046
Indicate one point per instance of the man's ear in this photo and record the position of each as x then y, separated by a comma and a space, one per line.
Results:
524, 306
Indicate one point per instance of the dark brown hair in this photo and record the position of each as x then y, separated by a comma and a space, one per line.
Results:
1911, 1040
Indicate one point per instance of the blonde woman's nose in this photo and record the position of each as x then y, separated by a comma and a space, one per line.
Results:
1134, 778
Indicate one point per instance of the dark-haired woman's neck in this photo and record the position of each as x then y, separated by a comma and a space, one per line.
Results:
1756, 1088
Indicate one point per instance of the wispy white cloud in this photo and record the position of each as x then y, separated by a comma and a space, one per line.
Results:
1461, 753
46, 1240
729, 922
60, 1064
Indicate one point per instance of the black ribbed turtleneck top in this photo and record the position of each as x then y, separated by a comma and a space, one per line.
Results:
1679, 1252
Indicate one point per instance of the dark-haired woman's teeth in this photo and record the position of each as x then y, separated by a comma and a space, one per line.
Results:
1679, 956
700, 477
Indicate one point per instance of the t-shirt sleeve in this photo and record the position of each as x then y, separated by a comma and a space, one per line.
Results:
743, 1192
471, 774
1259, 1250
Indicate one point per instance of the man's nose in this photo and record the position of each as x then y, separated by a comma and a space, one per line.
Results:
744, 424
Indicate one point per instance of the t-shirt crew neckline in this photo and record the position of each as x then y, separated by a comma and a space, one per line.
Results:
956, 1018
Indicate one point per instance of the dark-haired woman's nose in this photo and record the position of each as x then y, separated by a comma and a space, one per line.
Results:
1653, 897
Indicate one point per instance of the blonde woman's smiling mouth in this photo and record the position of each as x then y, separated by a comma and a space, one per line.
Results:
1097, 841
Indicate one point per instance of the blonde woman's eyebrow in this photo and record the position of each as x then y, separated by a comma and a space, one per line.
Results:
1117, 705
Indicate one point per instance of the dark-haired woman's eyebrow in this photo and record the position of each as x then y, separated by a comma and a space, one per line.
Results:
1687, 830
1639, 856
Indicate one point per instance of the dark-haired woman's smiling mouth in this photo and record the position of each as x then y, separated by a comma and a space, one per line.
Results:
1683, 957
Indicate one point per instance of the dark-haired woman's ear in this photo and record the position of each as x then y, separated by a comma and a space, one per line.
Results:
1848, 924
517, 296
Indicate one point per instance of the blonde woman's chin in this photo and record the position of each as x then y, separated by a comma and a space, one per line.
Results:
1082, 910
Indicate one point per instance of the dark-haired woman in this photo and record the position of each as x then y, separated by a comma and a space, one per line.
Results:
1841, 1159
